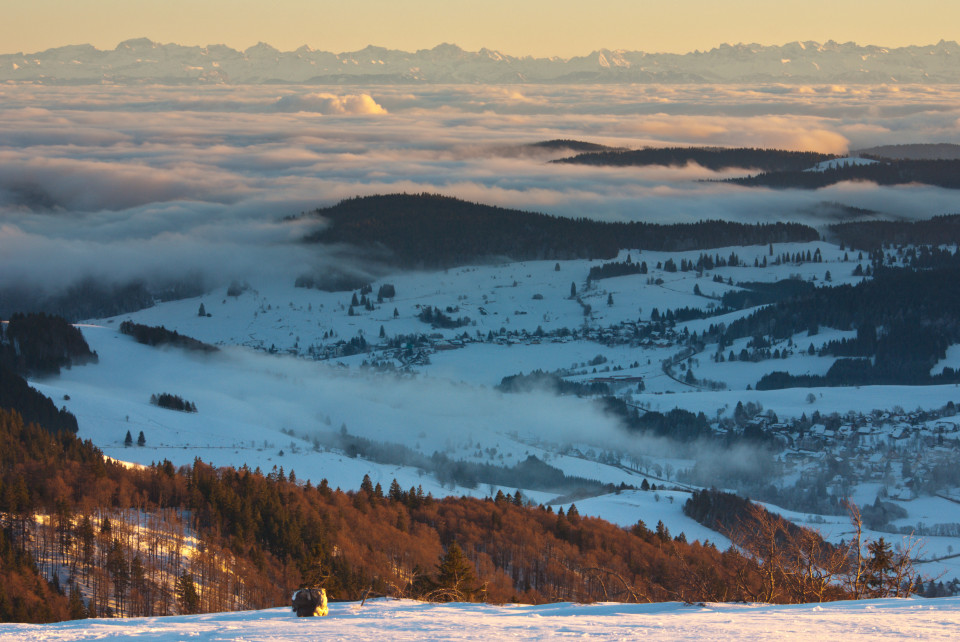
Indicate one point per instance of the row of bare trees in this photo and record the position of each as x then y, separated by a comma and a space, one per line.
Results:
798, 565
136, 563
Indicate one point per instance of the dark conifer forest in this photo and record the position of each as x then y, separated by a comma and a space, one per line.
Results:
431, 231
916, 310
873, 235
89, 298
41, 344
160, 336
941, 173
715, 158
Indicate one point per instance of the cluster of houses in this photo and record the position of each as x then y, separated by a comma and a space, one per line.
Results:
896, 448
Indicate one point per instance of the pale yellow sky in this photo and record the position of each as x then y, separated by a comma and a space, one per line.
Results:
519, 27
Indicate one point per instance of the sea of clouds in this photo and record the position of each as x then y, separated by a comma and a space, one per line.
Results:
121, 182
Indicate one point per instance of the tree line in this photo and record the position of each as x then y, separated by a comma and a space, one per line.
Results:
873, 235
917, 309
715, 158
940, 173
538, 380
38, 344
88, 298
172, 402
433, 231
258, 535
160, 336
796, 564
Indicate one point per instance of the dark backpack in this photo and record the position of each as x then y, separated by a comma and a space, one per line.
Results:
305, 601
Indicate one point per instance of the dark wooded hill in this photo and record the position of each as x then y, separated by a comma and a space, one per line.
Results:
91, 299
432, 231
41, 344
939, 173
38, 345
572, 145
160, 336
871, 235
914, 151
715, 158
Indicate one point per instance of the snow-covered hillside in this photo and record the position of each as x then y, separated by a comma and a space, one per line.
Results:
284, 391
141, 60
937, 619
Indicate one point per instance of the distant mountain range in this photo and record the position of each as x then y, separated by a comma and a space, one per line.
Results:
144, 61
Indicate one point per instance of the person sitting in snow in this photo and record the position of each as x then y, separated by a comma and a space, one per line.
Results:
308, 602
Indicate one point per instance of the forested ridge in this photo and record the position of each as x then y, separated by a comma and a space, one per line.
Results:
160, 336
263, 534
38, 345
34, 407
92, 299
569, 144
872, 235
798, 564
940, 173
715, 158
41, 344
905, 319
432, 231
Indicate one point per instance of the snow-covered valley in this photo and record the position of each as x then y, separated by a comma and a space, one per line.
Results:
282, 393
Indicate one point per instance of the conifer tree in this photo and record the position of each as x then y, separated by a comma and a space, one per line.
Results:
188, 600
663, 533
366, 485
395, 492
76, 608
455, 575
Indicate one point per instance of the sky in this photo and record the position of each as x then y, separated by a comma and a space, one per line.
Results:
562, 28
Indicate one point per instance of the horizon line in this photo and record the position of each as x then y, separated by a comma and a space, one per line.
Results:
261, 43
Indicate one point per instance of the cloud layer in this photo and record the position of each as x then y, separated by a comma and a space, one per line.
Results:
331, 104
119, 182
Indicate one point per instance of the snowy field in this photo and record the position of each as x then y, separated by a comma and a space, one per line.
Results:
936, 619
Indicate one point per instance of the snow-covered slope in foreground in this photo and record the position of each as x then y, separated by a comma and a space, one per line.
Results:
936, 619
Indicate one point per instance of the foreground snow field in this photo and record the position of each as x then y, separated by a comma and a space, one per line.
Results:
936, 619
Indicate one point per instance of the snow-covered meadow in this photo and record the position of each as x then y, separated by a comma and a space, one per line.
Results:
936, 619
